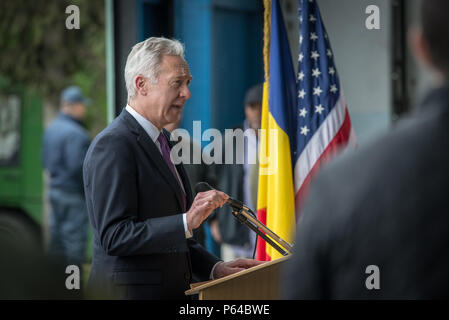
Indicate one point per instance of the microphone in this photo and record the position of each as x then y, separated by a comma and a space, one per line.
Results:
246, 216
235, 204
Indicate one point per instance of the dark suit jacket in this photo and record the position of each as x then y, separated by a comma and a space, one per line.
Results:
388, 206
134, 204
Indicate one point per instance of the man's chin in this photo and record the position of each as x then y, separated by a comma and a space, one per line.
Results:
174, 116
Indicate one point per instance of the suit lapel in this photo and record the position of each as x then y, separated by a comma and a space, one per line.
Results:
182, 173
154, 154
186, 184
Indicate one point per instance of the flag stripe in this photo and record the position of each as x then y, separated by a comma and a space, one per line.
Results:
336, 144
319, 142
261, 245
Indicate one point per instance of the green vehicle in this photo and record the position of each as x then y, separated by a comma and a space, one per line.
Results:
21, 178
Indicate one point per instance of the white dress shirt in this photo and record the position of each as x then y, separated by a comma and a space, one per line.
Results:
153, 132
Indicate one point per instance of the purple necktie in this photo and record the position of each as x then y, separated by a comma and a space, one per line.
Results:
166, 155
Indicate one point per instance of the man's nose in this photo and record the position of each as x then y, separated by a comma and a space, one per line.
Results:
185, 92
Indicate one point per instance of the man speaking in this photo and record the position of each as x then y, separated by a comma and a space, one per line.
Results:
139, 203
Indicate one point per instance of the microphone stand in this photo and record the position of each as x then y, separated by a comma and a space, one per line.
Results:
246, 216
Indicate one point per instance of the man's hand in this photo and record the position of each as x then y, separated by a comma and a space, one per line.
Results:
203, 205
224, 269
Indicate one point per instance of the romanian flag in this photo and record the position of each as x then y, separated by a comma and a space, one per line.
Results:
276, 196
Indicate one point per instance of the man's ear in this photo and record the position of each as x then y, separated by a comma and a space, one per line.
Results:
140, 83
419, 47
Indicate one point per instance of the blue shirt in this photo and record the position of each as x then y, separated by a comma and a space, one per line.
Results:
65, 144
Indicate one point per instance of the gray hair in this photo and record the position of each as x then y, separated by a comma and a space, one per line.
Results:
145, 59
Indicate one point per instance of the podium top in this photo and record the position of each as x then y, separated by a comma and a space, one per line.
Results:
197, 287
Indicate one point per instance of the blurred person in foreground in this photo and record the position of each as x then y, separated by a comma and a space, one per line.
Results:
140, 204
376, 225
25, 271
241, 182
65, 144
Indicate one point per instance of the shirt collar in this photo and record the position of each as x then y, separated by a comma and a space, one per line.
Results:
152, 131
251, 133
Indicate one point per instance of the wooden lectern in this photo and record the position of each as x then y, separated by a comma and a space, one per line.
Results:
257, 283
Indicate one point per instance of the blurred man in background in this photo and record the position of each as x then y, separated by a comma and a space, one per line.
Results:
197, 172
376, 224
65, 145
241, 182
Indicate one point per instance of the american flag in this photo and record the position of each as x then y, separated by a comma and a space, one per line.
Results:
324, 126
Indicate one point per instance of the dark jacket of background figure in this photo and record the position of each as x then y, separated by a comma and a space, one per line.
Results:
231, 182
198, 173
388, 206
134, 202
64, 148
